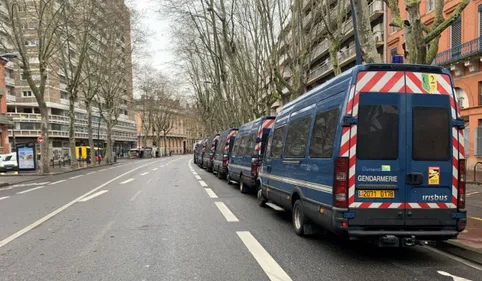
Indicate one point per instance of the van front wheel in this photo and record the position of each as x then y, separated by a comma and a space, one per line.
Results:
299, 220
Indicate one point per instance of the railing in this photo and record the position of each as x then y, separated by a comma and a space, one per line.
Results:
9, 81
320, 70
344, 55
465, 50
11, 98
320, 49
375, 6
64, 101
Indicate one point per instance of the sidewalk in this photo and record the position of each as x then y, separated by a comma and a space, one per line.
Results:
469, 243
17, 177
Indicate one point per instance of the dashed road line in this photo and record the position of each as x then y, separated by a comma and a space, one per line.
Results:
264, 259
91, 173
76, 177
148, 181
228, 215
126, 181
135, 195
143, 174
194, 173
476, 218
155, 169
211, 193
197, 177
56, 182
4, 197
85, 199
473, 193
102, 170
203, 183
32, 189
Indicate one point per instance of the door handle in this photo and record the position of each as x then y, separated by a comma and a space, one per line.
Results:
414, 178
268, 168
291, 162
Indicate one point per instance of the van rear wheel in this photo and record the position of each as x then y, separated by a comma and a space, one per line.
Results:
299, 220
228, 178
261, 199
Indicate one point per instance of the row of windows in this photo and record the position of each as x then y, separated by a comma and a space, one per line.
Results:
322, 137
244, 145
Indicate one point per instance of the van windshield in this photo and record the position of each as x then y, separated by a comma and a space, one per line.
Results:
377, 132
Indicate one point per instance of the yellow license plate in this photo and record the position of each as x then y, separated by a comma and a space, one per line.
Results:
376, 193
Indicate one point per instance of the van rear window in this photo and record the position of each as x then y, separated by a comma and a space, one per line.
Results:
431, 133
377, 134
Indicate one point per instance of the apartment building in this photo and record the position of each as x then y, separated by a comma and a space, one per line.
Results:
460, 50
23, 108
320, 66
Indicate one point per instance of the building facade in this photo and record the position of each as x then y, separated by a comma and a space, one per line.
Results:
320, 66
23, 109
460, 50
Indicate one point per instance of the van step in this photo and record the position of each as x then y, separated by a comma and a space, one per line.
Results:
274, 206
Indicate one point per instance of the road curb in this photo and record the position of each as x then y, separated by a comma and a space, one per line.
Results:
38, 176
461, 250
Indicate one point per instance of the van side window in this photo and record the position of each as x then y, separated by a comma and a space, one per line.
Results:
250, 144
242, 148
237, 144
323, 136
377, 134
297, 138
278, 141
268, 145
431, 133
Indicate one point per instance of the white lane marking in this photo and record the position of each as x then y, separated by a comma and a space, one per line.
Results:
194, 173
54, 213
264, 259
32, 189
91, 173
148, 181
161, 166
75, 177
111, 168
143, 174
274, 207
56, 182
455, 278
198, 177
126, 181
4, 197
461, 260
135, 195
203, 183
30, 184
230, 217
85, 199
211, 193
473, 193
155, 169
102, 170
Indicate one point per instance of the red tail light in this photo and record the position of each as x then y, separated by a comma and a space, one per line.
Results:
225, 161
255, 167
462, 175
211, 156
340, 190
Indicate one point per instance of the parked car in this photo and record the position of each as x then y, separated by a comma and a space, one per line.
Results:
246, 158
9, 163
371, 154
210, 149
223, 152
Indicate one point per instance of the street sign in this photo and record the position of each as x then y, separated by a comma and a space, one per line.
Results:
40, 140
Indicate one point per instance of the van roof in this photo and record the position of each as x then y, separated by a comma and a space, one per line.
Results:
350, 73
248, 127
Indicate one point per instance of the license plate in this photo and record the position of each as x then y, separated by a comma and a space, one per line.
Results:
376, 193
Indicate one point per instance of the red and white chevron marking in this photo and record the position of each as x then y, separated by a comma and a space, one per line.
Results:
397, 82
226, 146
267, 123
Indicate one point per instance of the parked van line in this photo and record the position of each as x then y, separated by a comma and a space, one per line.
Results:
223, 152
246, 158
365, 153
209, 149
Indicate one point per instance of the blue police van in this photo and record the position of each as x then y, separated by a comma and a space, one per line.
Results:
374, 154
200, 152
223, 152
208, 155
246, 157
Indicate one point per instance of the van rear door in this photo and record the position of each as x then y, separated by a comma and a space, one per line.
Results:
429, 153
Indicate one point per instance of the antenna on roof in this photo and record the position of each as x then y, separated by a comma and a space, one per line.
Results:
355, 33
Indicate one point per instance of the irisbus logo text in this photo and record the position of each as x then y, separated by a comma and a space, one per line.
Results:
434, 197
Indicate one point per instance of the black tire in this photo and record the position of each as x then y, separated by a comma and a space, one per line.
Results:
261, 199
228, 179
298, 218
220, 175
242, 186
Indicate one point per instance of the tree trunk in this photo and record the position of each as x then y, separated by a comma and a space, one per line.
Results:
368, 48
73, 159
44, 127
108, 148
90, 132
158, 141
165, 146
334, 48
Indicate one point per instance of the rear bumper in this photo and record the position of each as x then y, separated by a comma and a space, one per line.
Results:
447, 234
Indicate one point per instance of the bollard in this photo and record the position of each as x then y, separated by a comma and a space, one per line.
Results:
475, 171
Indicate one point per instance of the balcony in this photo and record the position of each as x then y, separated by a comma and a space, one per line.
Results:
11, 98
64, 101
345, 55
320, 71
63, 86
375, 9
320, 49
460, 52
9, 81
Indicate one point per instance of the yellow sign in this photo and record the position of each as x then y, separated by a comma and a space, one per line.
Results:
433, 175
429, 82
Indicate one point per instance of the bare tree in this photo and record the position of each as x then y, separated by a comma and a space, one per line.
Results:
44, 20
166, 109
368, 48
419, 37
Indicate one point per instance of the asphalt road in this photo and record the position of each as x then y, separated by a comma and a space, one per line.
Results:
165, 219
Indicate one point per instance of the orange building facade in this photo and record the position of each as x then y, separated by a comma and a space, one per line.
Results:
460, 50
4, 122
